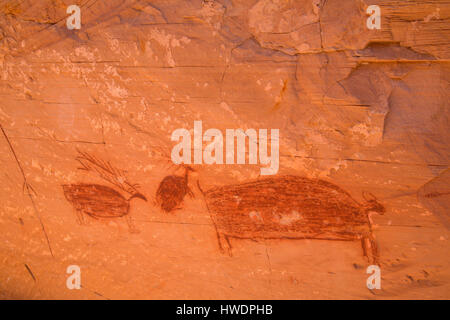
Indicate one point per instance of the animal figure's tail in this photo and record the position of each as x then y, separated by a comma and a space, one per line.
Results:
200, 188
219, 236
67, 190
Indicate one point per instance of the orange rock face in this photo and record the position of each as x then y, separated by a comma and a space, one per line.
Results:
93, 205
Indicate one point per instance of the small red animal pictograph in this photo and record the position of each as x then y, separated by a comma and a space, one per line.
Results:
99, 201
172, 190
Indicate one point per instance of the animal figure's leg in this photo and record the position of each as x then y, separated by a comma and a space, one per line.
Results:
131, 226
370, 248
228, 246
375, 252
81, 217
190, 193
225, 244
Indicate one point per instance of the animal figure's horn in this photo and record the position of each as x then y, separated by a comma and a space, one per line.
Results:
138, 195
369, 196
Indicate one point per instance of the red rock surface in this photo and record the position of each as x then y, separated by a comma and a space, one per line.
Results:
365, 110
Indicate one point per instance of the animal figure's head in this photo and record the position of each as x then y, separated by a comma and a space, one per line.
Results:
372, 204
187, 169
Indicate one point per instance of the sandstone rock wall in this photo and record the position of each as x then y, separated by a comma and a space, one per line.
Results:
364, 109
